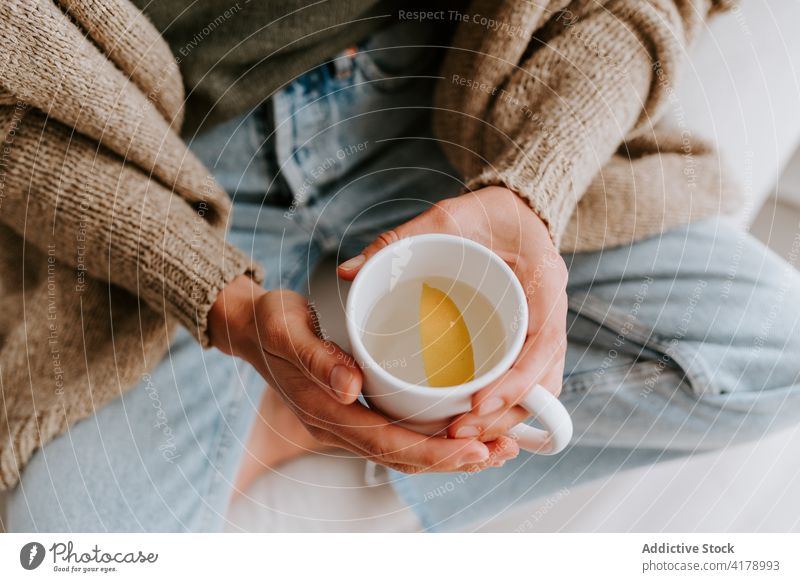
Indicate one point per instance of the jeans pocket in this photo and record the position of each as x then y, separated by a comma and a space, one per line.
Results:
639, 340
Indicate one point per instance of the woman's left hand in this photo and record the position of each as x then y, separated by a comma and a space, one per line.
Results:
500, 220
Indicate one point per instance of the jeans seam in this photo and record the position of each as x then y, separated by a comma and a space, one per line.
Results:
636, 370
695, 372
284, 116
609, 317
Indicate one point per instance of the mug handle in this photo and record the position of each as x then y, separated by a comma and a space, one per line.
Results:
547, 409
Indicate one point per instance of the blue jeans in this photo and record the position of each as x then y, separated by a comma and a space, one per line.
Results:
682, 343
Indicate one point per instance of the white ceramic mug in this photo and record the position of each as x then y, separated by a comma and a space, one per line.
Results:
429, 410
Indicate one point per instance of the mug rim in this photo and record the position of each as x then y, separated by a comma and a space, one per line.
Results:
505, 363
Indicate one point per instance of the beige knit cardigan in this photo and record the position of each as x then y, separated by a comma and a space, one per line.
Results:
112, 232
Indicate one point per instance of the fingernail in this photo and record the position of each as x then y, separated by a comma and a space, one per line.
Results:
341, 377
353, 263
478, 456
467, 432
498, 463
490, 405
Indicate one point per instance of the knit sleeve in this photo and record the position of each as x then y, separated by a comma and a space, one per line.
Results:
589, 79
94, 212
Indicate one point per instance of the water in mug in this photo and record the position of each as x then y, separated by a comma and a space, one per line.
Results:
435, 332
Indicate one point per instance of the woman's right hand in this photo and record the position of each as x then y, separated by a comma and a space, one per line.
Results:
275, 332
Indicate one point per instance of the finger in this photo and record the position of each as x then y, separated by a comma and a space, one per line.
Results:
330, 439
488, 428
501, 450
496, 408
372, 435
366, 433
435, 219
388, 443
292, 333
541, 361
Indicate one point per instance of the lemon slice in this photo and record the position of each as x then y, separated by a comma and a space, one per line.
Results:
446, 344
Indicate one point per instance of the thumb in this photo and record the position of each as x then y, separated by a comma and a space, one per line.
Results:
424, 223
322, 361
326, 364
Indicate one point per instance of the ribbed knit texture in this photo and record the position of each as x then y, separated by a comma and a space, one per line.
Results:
549, 114
111, 232
97, 183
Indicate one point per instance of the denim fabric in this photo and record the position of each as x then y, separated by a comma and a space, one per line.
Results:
681, 343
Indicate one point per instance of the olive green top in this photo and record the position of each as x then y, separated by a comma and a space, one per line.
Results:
234, 54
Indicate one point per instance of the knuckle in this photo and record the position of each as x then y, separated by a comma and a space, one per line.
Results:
278, 299
522, 391
319, 435
520, 396
561, 273
446, 206
309, 420
274, 327
388, 237
379, 442
311, 359
514, 389
380, 452
444, 212
429, 459
494, 432
383, 449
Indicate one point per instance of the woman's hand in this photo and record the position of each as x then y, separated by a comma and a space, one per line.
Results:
502, 221
276, 332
